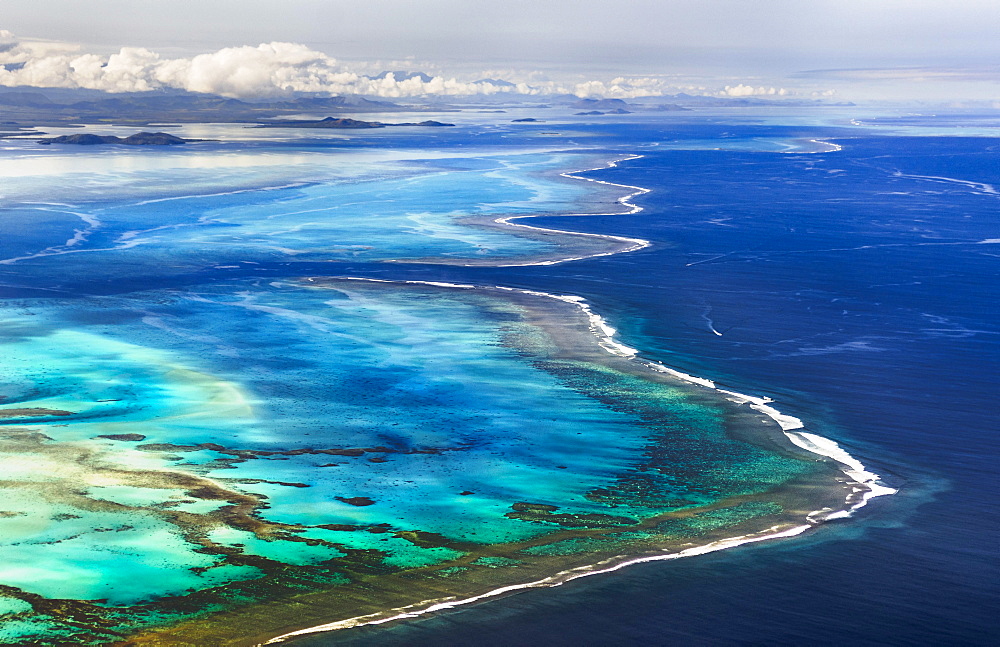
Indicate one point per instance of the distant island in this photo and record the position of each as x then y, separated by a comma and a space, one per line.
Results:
343, 122
23, 108
166, 139
63, 106
619, 107
138, 139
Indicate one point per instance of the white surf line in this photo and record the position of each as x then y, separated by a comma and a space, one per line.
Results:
79, 236
789, 424
558, 579
126, 237
868, 486
634, 244
442, 604
834, 148
982, 186
194, 196
57, 251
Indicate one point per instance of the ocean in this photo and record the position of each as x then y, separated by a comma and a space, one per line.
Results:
838, 264
854, 287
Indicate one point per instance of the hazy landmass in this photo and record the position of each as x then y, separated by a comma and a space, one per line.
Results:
138, 139
334, 122
58, 107
23, 107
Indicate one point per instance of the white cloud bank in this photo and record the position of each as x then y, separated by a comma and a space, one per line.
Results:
270, 69
278, 69
742, 90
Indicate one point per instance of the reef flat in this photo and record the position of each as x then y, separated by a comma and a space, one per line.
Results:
388, 445
213, 434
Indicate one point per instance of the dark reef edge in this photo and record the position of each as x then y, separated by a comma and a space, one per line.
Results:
828, 491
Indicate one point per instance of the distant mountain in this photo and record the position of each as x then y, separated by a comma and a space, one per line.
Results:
616, 111
333, 122
620, 107
329, 122
500, 83
24, 107
430, 123
25, 98
138, 139
56, 95
600, 104
736, 102
669, 107
38, 108
344, 103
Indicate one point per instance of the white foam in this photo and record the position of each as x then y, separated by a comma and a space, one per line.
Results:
441, 284
443, 604
221, 193
982, 187
833, 148
632, 244
850, 466
701, 381
79, 235
786, 422
869, 487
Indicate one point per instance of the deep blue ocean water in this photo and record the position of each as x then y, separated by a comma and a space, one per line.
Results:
855, 287
847, 289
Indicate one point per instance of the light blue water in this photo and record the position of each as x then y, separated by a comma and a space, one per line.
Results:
252, 384
175, 212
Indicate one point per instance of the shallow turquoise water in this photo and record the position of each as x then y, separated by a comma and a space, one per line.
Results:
230, 439
423, 380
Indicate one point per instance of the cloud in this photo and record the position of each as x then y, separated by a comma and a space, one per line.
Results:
909, 74
270, 69
7, 40
280, 69
742, 90
622, 88
266, 70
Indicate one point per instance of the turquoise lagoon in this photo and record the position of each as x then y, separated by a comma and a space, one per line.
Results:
223, 461
191, 210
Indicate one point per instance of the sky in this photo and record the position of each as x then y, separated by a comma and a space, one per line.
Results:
850, 49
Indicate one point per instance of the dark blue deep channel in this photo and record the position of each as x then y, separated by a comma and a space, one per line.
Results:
859, 289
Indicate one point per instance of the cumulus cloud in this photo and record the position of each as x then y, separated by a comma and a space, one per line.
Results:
279, 69
622, 88
270, 69
742, 90
266, 70
7, 40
